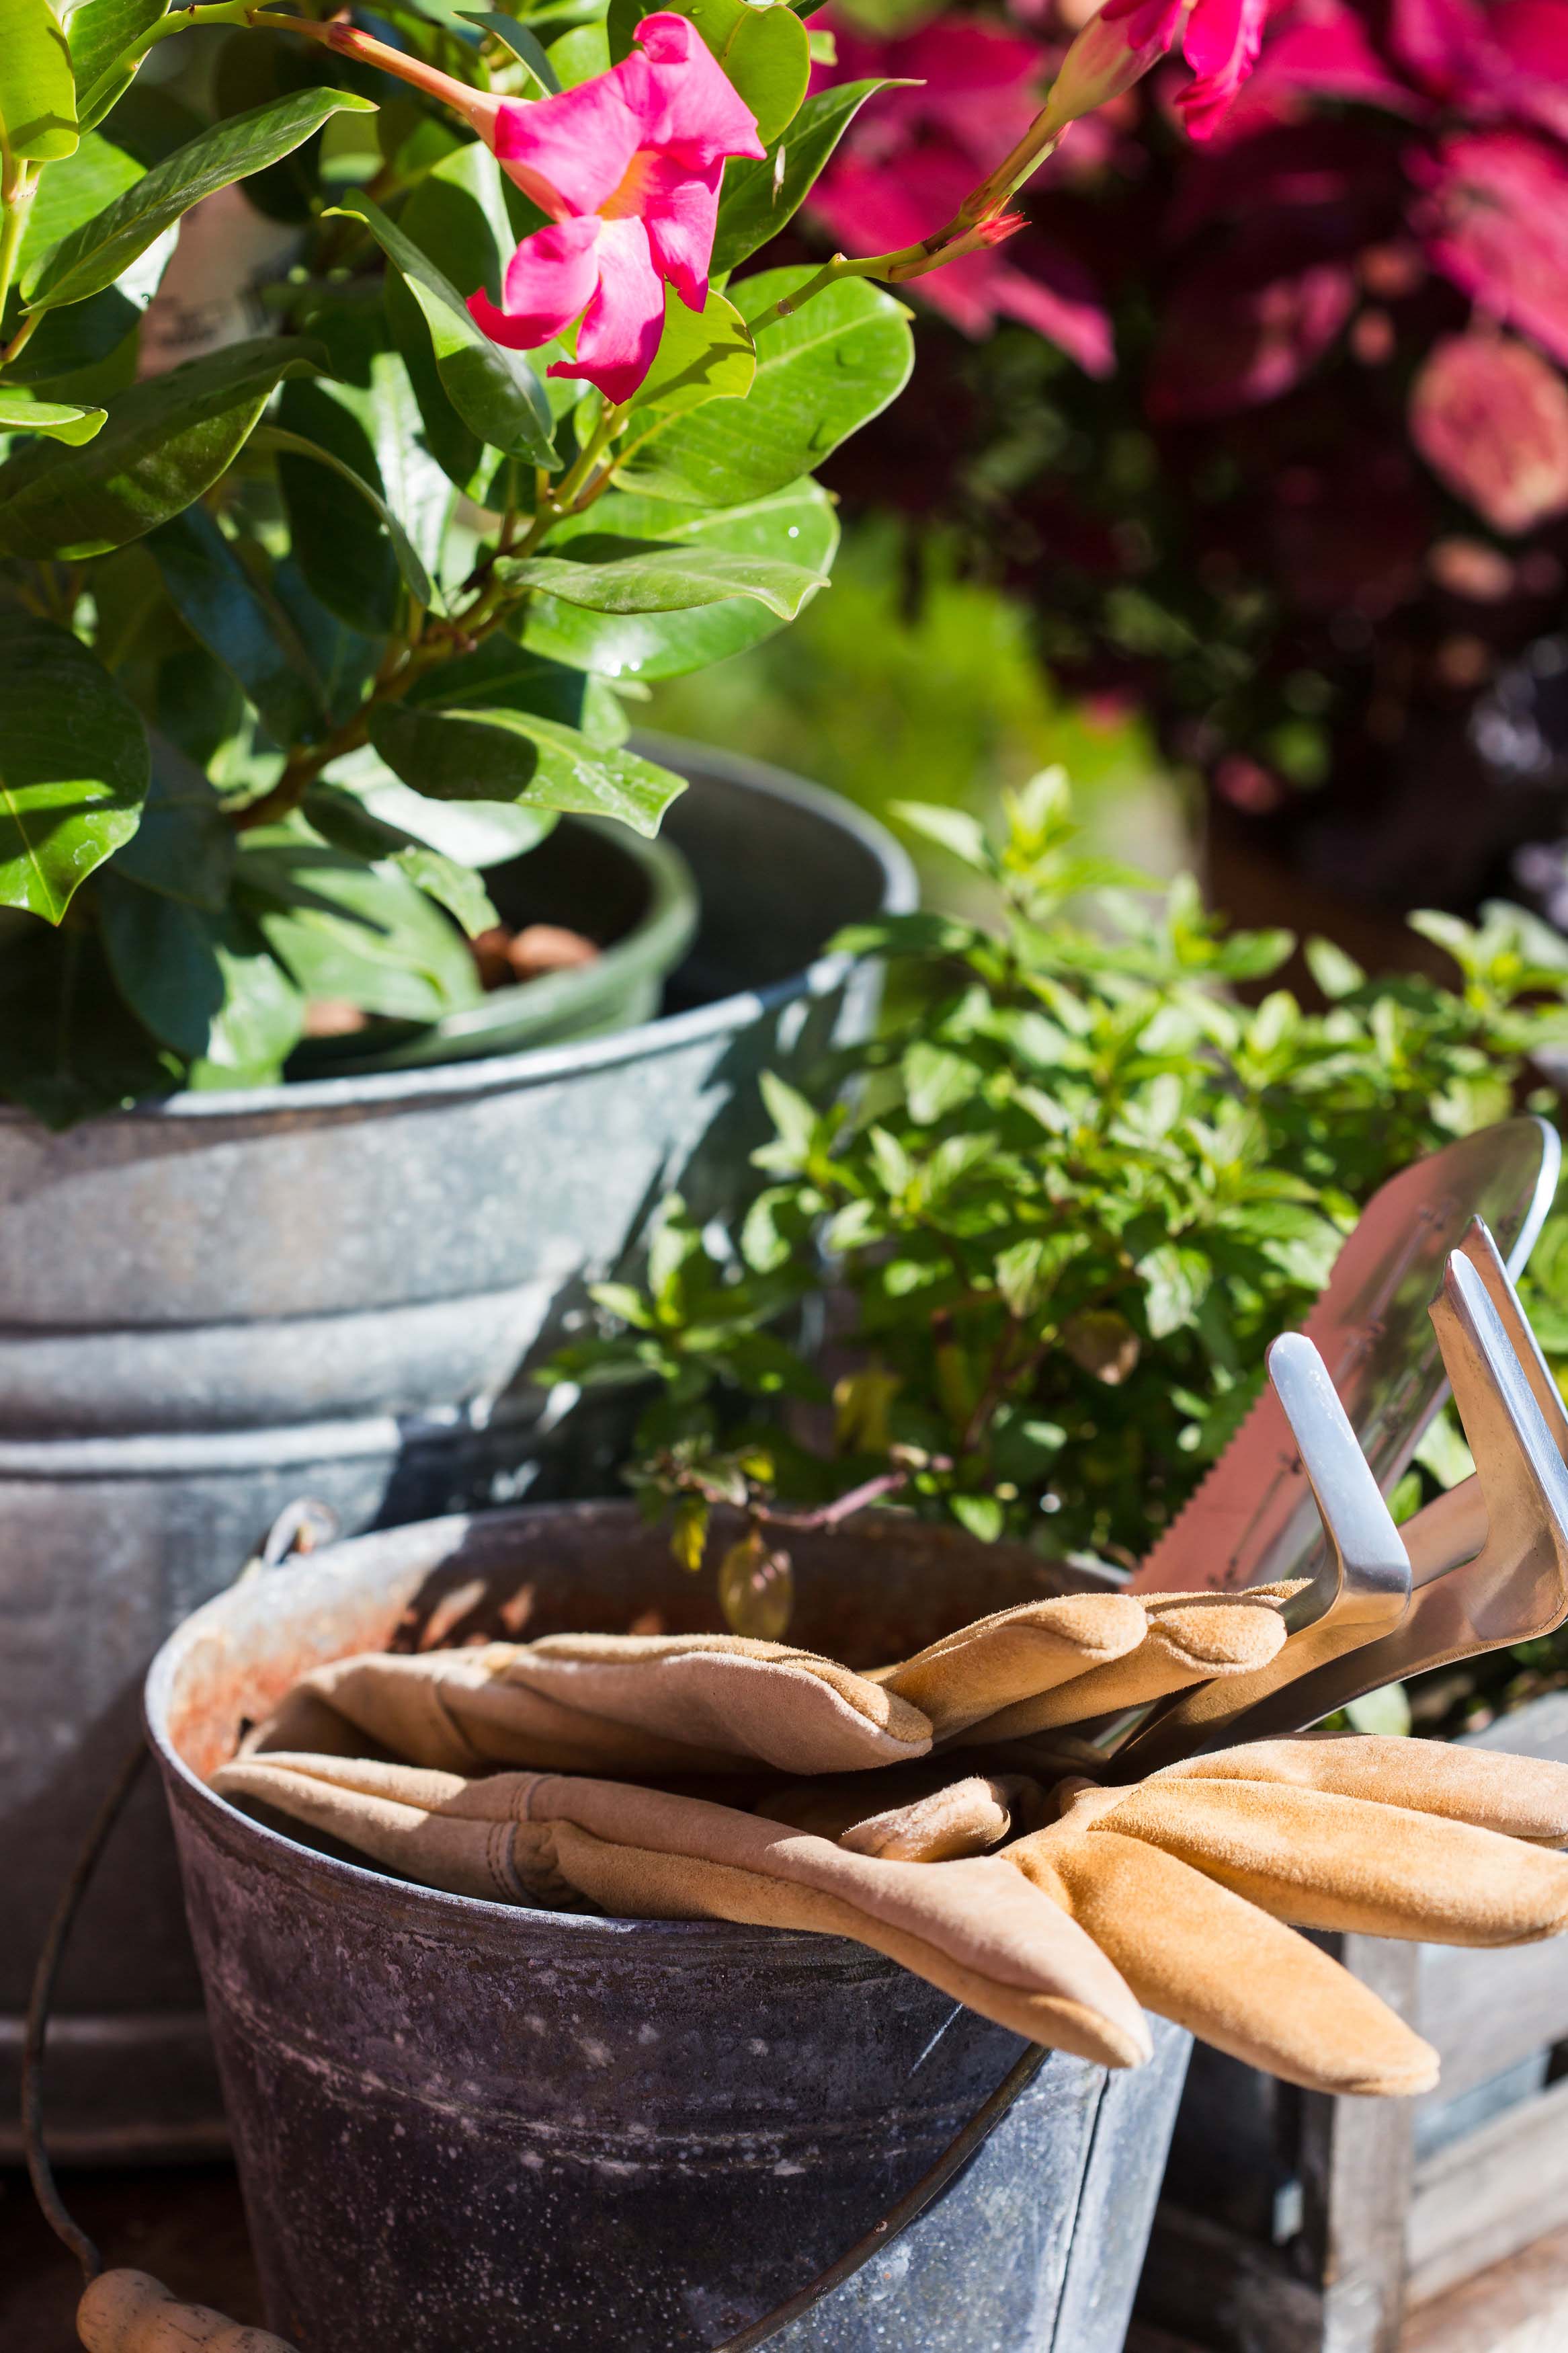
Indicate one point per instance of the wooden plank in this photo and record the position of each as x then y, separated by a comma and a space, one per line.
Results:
1355, 2178
1486, 2196
1486, 2011
1519, 2307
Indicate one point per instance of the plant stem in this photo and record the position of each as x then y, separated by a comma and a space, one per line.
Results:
16, 194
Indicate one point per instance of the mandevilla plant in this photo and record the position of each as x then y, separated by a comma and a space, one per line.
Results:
519, 439
1058, 1211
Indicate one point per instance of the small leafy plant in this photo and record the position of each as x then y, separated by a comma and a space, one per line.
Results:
1056, 1213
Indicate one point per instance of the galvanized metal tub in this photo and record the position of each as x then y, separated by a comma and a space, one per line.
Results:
466, 2125
212, 1304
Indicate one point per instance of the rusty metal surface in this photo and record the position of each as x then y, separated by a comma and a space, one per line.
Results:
211, 1305
465, 2125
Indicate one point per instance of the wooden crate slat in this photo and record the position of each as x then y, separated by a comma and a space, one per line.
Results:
1489, 2194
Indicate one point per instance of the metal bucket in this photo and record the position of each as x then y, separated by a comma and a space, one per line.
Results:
467, 2124
212, 1304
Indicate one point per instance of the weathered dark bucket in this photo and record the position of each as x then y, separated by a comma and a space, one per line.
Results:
211, 1305
468, 2129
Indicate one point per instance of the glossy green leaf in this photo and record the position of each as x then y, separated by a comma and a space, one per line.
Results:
235, 617
60, 419
70, 192
821, 374
342, 819
607, 575
184, 844
162, 954
526, 46
579, 54
494, 756
102, 250
702, 355
794, 526
345, 930
37, 90
476, 834
262, 1015
85, 352
69, 1045
106, 38
338, 562
761, 44
495, 391
73, 766
167, 441
756, 199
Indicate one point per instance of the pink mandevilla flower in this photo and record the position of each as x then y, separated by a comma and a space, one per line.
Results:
628, 167
1220, 40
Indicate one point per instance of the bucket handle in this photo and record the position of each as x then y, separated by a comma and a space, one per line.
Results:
300, 1526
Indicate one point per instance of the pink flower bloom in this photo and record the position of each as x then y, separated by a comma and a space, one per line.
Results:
628, 167
1495, 222
1490, 417
1220, 40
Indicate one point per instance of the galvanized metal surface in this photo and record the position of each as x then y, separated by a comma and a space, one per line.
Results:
466, 2125
212, 1304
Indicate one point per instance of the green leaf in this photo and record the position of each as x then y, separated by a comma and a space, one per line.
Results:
106, 37
38, 92
184, 844
99, 252
262, 1015
649, 579
821, 374
345, 930
498, 755
757, 199
60, 419
70, 192
167, 441
73, 766
164, 964
763, 50
1385, 1710
69, 1045
347, 591
344, 819
237, 618
982, 1516
956, 830
526, 46
794, 526
702, 355
495, 391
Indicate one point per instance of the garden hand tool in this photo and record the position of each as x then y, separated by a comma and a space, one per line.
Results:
1188, 1881
1356, 1595
1252, 1521
1516, 1585
974, 1927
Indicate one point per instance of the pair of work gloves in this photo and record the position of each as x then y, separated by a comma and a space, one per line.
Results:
916, 1810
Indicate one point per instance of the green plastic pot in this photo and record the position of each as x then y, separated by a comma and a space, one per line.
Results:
635, 899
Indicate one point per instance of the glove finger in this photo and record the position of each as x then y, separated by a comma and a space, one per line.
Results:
1238, 1979
1011, 1963
1328, 1862
1184, 1642
1012, 1655
1522, 1796
923, 1825
389, 1812
788, 1708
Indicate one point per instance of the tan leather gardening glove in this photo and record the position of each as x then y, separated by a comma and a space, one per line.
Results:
1186, 1881
1181, 1639
976, 1928
672, 1703
654, 1704
913, 1813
